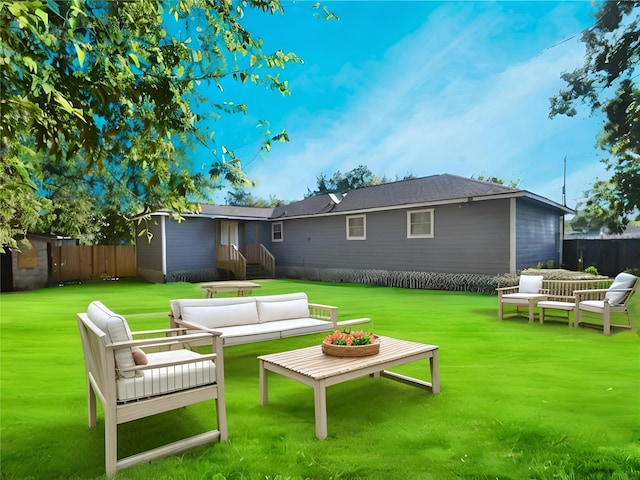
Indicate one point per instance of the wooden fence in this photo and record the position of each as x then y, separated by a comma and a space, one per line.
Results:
609, 256
81, 263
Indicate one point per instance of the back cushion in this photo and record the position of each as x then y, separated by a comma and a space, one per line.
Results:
214, 316
622, 281
530, 283
117, 330
177, 306
283, 307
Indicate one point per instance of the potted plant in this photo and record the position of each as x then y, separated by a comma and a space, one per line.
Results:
351, 344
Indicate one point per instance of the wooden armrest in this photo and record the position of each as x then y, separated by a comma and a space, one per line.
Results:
197, 326
593, 290
355, 321
505, 289
159, 341
201, 358
583, 293
163, 330
325, 307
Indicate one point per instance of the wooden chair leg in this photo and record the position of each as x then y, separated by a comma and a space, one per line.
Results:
110, 442
606, 318
222, 419
91, 405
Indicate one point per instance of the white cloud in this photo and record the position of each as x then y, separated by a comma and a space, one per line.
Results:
444, 100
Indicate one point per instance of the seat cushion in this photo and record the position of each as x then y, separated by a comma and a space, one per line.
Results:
273, 330
117, 330
592, 305
622, 281
530, 283
161, 380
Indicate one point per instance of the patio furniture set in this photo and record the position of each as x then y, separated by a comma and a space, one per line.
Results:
132, 383
602, 297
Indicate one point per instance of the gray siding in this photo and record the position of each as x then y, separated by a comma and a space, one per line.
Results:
469, 238
190, 244
537, 235
149, 253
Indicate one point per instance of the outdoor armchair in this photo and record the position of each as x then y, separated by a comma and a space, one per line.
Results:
614, 299
527, 293
131, 383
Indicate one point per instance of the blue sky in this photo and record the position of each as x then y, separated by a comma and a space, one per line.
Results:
420, 87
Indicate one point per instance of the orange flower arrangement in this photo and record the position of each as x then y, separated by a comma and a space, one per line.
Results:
350, 338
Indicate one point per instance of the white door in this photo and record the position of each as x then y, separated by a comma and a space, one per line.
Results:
228, 233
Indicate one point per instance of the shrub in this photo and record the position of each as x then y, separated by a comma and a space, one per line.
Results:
195, 276
592, 269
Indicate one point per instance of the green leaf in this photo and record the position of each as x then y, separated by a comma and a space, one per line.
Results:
80, 53
30, 63
135, 59
43, 15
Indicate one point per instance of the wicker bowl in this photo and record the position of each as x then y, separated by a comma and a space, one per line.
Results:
351, 350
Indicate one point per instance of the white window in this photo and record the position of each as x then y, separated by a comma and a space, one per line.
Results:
420, 224
276, 232
357, 227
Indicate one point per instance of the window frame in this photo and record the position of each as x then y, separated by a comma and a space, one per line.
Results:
430, 211
273, 232
364, 227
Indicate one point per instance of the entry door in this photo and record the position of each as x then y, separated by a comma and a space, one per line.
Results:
228, 233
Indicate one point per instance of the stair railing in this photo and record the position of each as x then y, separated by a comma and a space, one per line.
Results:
267, 261
229, 258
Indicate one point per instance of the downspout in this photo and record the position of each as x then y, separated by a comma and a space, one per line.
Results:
512, 235
163, 231
561, 246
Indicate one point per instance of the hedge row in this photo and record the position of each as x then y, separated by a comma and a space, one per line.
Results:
456, 282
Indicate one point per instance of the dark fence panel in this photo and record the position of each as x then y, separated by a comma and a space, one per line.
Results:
609, 256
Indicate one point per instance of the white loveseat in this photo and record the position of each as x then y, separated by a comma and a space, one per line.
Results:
254, 319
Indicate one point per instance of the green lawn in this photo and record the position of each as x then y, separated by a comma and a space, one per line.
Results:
518, 401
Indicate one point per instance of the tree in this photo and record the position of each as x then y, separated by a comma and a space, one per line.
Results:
101, 111
498, 180
608, 82
583, 223
359, 177
241, 198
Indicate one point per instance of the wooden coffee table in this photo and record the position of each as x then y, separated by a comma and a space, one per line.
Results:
312, 367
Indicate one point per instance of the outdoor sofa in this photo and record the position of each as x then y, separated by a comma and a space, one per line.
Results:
240, 320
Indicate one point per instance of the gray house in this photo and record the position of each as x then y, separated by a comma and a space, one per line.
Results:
440, 223
213, 244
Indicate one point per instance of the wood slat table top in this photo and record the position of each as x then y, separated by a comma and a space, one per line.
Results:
313, 363
231, 284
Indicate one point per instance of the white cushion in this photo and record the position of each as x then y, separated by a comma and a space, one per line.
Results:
282, 309
214, 316
117, 330
178, 305
530, 283
622, 281
161, 380
272, 330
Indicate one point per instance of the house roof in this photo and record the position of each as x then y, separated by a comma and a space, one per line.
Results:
432, 190
231, 212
